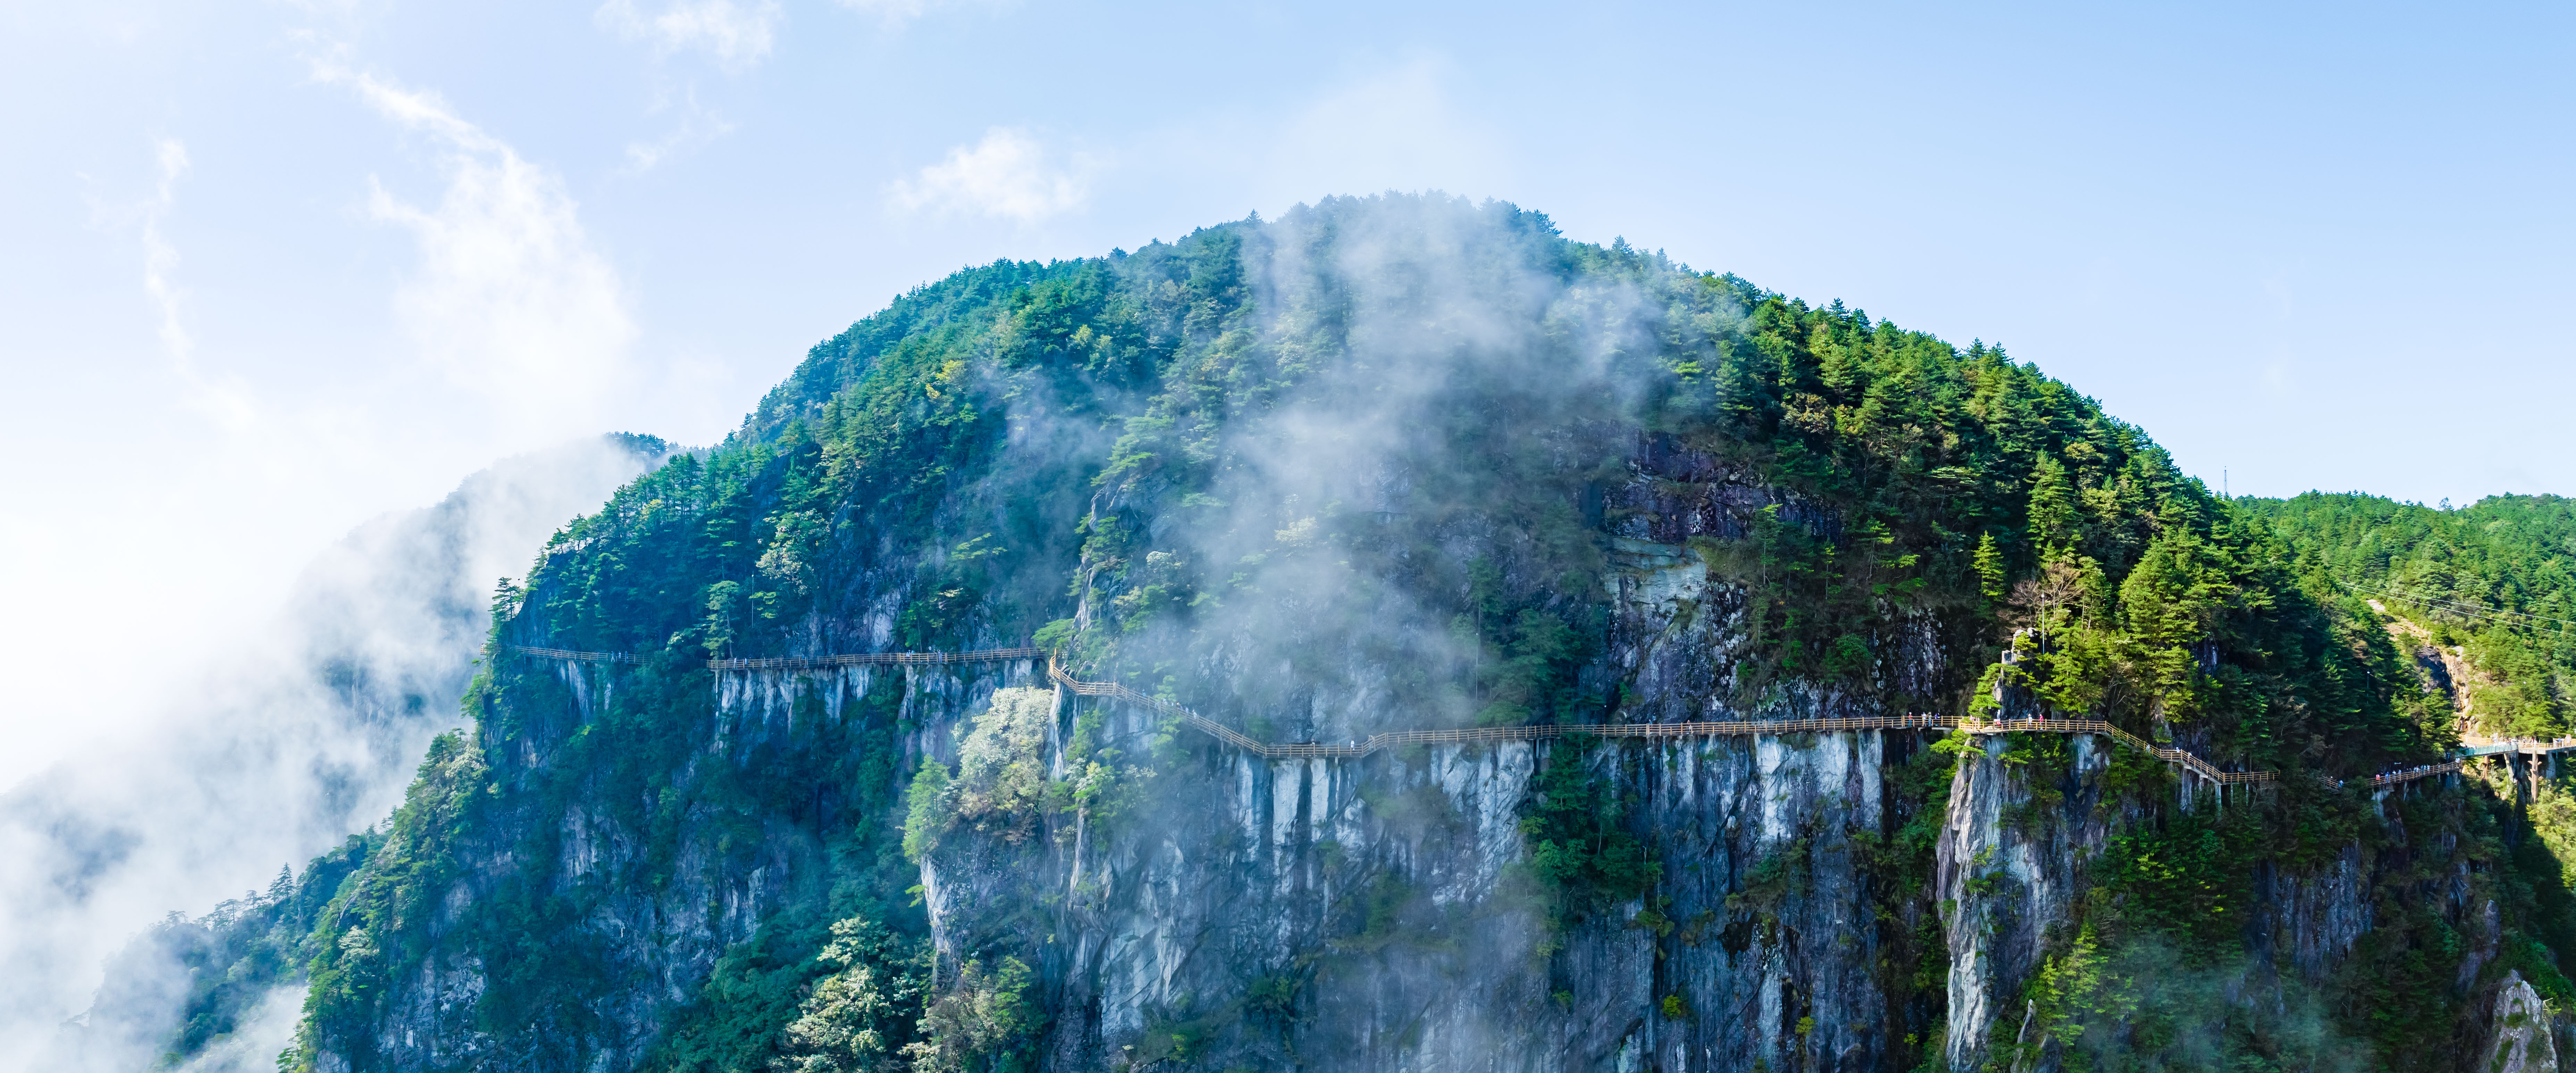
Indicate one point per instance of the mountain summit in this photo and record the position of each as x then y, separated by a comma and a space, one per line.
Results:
1401, 577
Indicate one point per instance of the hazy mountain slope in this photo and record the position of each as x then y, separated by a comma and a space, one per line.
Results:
304, 732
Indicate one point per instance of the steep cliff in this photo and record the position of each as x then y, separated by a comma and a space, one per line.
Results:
1397, 464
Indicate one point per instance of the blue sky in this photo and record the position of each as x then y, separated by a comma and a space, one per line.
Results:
270, 269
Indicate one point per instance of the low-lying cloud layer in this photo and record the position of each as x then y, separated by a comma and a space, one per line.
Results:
297, 735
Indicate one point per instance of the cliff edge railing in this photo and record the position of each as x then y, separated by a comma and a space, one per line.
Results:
577, 657
799, 663
863, 659
1392, 739
2181, 758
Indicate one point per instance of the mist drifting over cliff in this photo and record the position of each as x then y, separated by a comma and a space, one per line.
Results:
296, 736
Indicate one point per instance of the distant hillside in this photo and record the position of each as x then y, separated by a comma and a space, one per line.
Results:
2496, 578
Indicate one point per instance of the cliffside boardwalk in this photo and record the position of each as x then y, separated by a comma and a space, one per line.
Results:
576, 657
1352, 750
863, 659
1392, 739
798, 663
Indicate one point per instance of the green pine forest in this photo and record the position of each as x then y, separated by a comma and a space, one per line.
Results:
957, 448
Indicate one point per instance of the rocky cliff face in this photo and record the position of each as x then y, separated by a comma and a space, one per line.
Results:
1378, 913
1381, 892
2523, 1038
2004, 886
1373, 913
657, 907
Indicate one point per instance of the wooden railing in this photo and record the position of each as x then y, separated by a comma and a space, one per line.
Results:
2517, 746
799, 663
2414, 773
1375, 742
577, 657
1391, 739
2178, 757
862, 659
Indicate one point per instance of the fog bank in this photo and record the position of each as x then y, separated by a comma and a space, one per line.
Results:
294, 736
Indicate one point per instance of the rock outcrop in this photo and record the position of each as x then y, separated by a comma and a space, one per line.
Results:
2523, 1031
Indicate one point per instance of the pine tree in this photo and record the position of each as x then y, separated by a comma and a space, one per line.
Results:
1990, 570
2052, 506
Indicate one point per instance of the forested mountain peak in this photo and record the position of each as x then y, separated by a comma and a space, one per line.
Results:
1416, 464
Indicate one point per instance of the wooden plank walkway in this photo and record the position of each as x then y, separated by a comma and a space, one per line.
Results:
863, 659
2517, 746
800, 663
1375, 742
576, 657
2414, 773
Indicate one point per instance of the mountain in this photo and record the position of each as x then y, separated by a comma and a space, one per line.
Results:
302, 731
1411, 466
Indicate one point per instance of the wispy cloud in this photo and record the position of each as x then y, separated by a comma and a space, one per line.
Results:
737, 35
698, 126
509, 299
1397, 128
224, 400
1008, 174
894, 12
159, 259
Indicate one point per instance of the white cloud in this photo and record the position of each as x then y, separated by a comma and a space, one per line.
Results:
698, 126
509, 300
1407, 125
894, 12
223, 399
1395, 129
737, 35
1005, 175
159, 260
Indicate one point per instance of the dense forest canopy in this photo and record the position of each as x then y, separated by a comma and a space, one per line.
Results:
2494, 579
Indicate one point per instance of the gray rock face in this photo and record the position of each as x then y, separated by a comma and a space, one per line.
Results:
1382, 904
2521, 1034
1280, 865
662, 942
2309, 922
2003, 885
1381, 907
1387, 897
1376, 913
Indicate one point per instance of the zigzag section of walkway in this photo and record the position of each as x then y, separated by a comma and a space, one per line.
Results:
1392, 739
